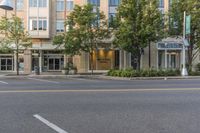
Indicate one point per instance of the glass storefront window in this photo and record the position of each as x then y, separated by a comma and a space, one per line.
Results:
104, 59
6, 63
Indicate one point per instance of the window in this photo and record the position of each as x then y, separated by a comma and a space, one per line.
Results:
94, 2
60, 5
70, 5
60, 26
19, 4
33, 24
42, 3
161, 3
114, 2
111, 19
42, 24
33, 3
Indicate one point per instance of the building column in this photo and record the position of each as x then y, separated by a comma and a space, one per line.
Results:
40, 60
65, 60
125, 60
165, 58
129, 60
121, 64
15, 61
84, 63
27, 61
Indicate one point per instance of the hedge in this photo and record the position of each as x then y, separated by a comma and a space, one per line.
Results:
147, 73
143, 73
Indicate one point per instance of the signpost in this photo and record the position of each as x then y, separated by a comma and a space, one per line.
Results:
186, 31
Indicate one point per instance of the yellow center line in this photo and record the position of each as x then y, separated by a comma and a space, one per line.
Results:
100, 90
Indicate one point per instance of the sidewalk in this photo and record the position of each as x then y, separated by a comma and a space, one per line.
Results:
87, 76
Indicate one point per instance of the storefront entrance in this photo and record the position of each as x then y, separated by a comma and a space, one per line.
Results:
169, 55
54, 64
173, 60
6, 64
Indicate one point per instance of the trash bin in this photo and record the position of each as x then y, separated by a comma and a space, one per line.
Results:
37, 70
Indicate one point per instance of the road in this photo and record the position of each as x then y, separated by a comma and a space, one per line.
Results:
78, 105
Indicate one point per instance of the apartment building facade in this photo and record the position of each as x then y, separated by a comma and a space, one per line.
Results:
43, 19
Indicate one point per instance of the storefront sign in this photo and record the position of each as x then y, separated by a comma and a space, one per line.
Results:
169, 45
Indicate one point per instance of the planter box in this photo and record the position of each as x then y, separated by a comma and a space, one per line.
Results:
70, 72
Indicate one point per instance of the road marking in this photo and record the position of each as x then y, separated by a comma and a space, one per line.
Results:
101, 90
43, 80
3, 82
51, 125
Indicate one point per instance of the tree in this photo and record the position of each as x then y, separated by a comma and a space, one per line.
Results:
152, 24
14, 33
139, 23
176, 24
86, 29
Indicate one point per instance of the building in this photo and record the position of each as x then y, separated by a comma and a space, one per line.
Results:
45, 18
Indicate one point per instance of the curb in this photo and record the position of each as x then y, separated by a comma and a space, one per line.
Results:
96, 77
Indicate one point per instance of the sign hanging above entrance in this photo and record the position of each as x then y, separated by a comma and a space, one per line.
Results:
169, 45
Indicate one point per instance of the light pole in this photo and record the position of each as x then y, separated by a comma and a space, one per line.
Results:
6, 5
184, 69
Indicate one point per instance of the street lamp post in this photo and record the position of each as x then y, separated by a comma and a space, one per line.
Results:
6, 5
184, 69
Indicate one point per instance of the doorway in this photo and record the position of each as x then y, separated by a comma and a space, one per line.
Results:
172, 60
54, 64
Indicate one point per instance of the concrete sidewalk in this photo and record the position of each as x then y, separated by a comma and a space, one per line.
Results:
89, 76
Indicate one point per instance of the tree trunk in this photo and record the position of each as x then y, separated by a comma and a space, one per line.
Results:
190, 49
91, 62
17, 60
149, 55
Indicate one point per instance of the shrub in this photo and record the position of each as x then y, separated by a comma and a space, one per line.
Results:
192, 73
144, 73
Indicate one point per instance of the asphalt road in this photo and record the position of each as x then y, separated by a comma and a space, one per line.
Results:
31, 105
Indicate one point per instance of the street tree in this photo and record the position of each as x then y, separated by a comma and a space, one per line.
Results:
176, 18
139, 23
13, 32
86, 29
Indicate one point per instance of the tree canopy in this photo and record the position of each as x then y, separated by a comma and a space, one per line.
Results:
139, 22
176, 11
87, 27
13, 32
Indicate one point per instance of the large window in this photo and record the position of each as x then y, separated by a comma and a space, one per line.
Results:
161, 3
70, 5
33, 24
40, 24
60, 26
60, 5
94, 2
111, 19
114, 2
33, 3
20, 4
37, 3
42, 3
